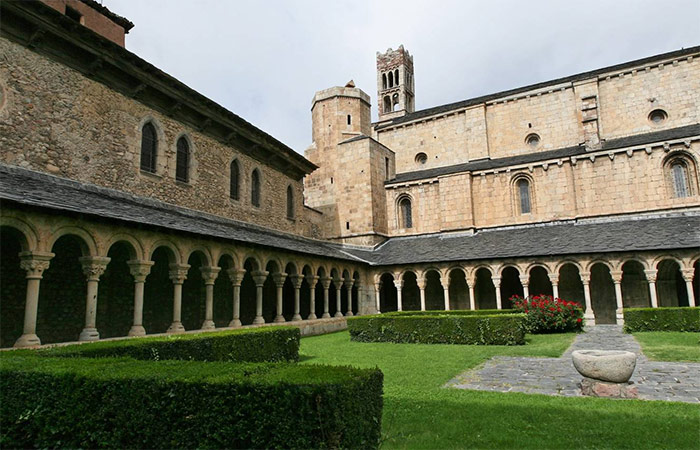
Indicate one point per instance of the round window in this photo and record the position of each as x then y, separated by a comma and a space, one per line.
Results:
533, 140
421, 158
657, 116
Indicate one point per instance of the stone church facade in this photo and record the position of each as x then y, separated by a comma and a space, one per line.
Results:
133, 205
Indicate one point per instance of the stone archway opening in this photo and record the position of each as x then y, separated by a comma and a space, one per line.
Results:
248, 292
223, 293
570, 285
434, 293
634, 285
13, 286
603, 301
540, 283
484, 290
458, 290
670, 285
410, 293
193, 293
387, 293
115, 307
510, 286
158, 293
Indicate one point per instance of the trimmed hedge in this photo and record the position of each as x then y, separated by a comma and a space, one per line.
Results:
456, 312
265, 344
126, 403
449, 328
662, 319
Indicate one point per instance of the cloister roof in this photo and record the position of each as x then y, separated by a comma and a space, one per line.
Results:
681, 231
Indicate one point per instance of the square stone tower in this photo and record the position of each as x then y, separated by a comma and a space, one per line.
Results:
395, 89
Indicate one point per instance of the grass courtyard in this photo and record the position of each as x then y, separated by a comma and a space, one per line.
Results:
670, 345
420, 413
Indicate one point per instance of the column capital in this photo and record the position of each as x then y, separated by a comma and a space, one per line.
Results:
139, 269
312, 280
421, 282
94, 266
35, 263
348, 283
338, 282
377, 285
178, 273
278, 278
616, 276
296, 280
398, 284
688, 274
585, 277
326, 282
524, 279
553, 278
259, 276
651, 275
236, 276
209, 273
496, 282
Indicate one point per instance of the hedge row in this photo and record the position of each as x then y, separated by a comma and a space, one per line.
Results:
125, 403
502, 329
662, 319
458, 312
265, 344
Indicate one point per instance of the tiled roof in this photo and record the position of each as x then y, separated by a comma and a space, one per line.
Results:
485, 164
570, 79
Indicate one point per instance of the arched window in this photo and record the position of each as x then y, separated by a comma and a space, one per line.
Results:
524, 195
405, 213
255, 188
235, 186
395, 102
679, 175
387, 104
290, 202
149, 148
384, 81
182, 164
391, 79
396, 77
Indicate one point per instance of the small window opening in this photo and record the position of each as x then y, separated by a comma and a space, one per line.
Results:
255, 188
396, 77
406, 213
149, 148
387, 104
533, 140
524, 194
331, 180
386, 168
347, 225
529, 125
657, 116
290, 202
349, 119
395, 102
421, 158
182, 160
74, 14
384, 81
679, 174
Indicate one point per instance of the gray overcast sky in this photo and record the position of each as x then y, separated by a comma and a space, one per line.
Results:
264, 60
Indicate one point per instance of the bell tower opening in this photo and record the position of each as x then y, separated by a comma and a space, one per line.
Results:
395, 83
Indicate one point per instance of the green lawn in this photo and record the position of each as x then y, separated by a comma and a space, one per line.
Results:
670, 345
420, 413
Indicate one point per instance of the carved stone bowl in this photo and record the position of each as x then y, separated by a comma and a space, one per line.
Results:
615, 366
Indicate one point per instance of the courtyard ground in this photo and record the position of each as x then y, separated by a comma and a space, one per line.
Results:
670, 345
419, 412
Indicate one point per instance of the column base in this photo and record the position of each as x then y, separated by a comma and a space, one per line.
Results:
208, 325
589, 318
89, 334
258, 320
312, 316
28, 340
325, 315
349, 313
279, 319
620, 318
235, 323
137, 330
338, 314
296, 317
175, 327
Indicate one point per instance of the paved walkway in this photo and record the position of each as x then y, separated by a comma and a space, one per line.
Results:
655, 380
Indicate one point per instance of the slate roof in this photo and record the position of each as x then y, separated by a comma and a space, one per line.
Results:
569, 79
651, 233
31, 188
485, 164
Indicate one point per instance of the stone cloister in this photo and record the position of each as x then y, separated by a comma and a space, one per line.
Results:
69, 279
603, 284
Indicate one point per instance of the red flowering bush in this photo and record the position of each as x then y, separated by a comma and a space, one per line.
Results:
545, 314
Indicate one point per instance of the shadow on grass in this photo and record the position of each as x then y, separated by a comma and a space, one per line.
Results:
303, 358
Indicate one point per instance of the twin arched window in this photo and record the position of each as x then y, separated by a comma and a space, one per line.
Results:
290, 202
182, 165
405, 213
255, 188
149, 148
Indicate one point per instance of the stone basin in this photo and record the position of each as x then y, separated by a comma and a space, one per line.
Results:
615, 366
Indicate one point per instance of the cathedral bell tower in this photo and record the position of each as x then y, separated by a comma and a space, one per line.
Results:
395, 89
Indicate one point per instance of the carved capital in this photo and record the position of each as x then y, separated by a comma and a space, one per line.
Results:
398, 284
279, 278
421, 282
94, 266
496, 282
326, 282
209, 273
296, 280
178, 273
616, 276
688, 274
553, 278
651, 275
236, 276
139, 269
585, 277
312, 280
35, 263
348, 283
524, 280
259, 276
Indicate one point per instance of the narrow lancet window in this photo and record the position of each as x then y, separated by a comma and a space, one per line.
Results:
182, 160
149, 148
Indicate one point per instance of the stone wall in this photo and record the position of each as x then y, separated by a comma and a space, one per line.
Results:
55, 120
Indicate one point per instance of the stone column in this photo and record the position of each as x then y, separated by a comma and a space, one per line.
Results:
139, 270
588, 315
259, 276
472, 299
651, 279
296, 282
312, 280
209, 275
93, 268
348, 288
399, 285
34, 263
688, 277
421, 285
554, 279
178, 275
497, 284
325, 284
279, 278
525, 281
236, 277
338, 282
377, 296
446, 293
617, 280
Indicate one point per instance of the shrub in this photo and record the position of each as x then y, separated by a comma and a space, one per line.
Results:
265, 344
456, 312
662, 319
126, 403
503, 329
545, 314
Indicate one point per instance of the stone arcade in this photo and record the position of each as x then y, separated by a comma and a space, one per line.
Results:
131, 204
